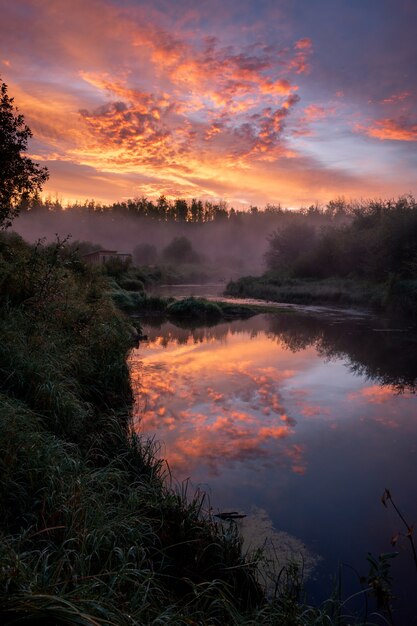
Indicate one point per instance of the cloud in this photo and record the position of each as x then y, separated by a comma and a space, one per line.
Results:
312, 114
397, 97
194, 101
376, 394
145, 99
304, 48
401, 129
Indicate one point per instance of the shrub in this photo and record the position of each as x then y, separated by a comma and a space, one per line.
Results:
193, 308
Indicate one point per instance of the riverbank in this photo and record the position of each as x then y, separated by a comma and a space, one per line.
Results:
396, 297
92, 530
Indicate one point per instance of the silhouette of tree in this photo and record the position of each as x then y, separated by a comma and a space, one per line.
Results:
180, 250
288, 244
20, 178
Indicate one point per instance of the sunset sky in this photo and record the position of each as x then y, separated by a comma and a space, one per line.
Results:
290, 101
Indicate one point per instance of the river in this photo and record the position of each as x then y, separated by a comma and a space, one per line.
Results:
299, 419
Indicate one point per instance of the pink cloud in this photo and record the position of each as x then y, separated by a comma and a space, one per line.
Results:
401, 129
398, 97
168, 106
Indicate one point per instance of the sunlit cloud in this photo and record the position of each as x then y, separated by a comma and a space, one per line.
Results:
211, 101
400, 129
396, 97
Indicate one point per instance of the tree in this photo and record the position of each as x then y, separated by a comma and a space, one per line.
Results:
20, 178
288, 244
180, 250
145, 254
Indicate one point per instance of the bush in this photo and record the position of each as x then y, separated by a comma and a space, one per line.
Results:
195, 309
131, 284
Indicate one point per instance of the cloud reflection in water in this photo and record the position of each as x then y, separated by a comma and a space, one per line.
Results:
218, 403
239, 394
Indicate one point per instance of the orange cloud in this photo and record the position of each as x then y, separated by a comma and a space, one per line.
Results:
303, 49
311, 114
314, 112
296, 453
390, 129
129, 98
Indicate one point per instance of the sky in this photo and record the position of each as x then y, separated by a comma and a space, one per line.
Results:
249, 102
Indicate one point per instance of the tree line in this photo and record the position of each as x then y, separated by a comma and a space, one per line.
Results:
183, 210
378, 241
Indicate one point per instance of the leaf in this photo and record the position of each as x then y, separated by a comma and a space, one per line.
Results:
388, 555
385, 497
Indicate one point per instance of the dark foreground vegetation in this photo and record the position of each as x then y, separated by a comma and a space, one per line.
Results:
369, 260
90, 530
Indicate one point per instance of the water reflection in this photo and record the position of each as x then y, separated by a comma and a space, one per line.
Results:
306, 418
217, 400
233, 393
369, 346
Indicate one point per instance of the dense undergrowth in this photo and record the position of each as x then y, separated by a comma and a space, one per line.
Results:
91, 530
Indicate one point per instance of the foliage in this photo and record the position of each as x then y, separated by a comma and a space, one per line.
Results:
145, 254
180, 250
292, 241
116, 267
379, 241
195, 308
345, 291
20, 178
372, 261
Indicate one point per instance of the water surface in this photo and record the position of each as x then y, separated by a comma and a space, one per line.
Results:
302, 418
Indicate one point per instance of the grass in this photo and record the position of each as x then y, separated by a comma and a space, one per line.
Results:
195, 309
307, 291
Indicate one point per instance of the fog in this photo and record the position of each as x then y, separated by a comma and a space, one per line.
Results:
228, 243
233, 246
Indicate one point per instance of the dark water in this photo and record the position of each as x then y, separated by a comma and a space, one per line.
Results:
299, 420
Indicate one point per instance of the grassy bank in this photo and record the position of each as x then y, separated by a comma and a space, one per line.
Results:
397, 297
91, 530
